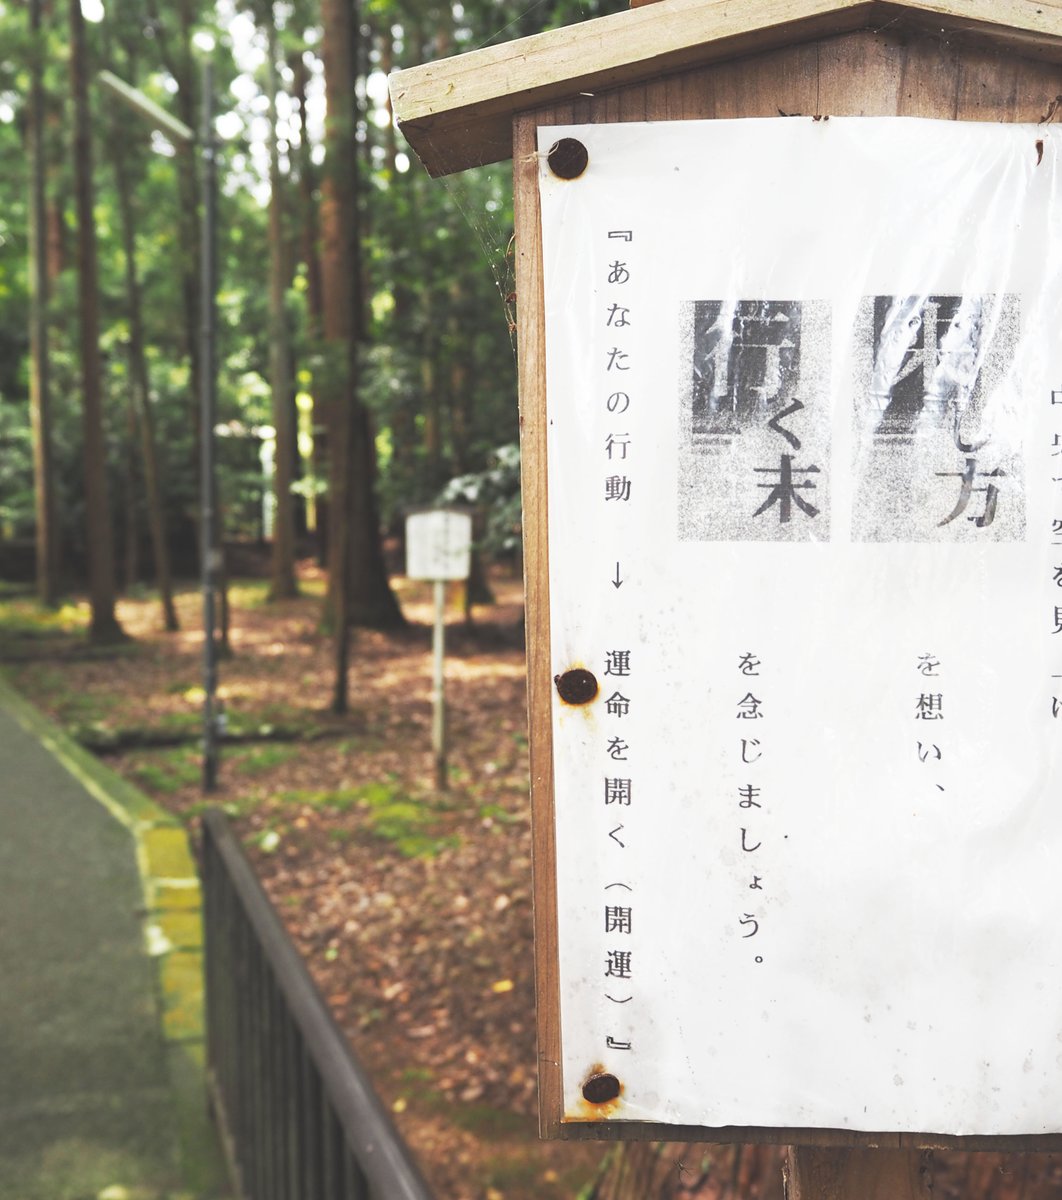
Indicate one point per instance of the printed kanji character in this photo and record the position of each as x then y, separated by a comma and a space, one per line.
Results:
617, 791
784, 492
617, 487
617, 920
618, 964
966, 490
930, 707
617, 662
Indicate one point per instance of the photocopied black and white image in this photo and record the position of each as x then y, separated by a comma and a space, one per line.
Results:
754, 436
938, 447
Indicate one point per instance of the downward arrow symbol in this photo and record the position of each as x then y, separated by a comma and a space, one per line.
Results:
617, 582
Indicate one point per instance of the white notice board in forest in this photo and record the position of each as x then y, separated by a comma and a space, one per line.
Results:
804, 393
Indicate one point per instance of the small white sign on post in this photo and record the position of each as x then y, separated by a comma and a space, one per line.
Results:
438, 545
439, 548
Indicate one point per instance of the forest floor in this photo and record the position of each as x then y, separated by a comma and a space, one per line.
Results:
411, 907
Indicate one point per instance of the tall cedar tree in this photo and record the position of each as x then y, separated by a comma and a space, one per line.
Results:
359, 588
283, 584
104, 625
40, 380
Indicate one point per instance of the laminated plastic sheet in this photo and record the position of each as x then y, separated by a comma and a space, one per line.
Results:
804, 400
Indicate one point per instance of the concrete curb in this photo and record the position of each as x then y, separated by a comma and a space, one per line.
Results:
171, 921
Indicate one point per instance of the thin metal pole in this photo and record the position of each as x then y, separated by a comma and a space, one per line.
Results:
438, 695
208, 379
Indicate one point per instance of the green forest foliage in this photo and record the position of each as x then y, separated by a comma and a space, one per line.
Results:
438, 358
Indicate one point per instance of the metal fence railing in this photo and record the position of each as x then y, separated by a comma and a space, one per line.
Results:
296, 1110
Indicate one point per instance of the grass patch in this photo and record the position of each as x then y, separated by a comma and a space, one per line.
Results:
403, 821
497, 813
339, 801
416, 1075
177, 723
407, 823
83, 708
233, 809
26, 618
168, 771
254, 762
249, 594
490, 1121
179, 687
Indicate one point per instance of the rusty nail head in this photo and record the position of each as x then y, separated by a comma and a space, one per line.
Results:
577, 686
600, 1089
567, 158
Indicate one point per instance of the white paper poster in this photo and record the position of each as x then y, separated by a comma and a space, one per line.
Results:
804, 384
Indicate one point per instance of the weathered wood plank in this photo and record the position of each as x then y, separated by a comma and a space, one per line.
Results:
458, 112
531, 352
815, 1174
857, 74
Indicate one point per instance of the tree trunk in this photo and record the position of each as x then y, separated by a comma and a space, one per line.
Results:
283, 583
338, 250
359, 590
46, 528
130, 573
140, 386
310, 226
141, 397
104, 624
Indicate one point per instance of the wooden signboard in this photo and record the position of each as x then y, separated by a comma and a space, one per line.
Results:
438, 544
741, 506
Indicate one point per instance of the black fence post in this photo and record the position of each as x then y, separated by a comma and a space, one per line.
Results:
298, 1114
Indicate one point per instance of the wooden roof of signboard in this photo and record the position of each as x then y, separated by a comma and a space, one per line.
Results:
457, 113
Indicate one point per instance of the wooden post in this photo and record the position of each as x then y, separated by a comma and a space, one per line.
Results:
438, 695
816, 1173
